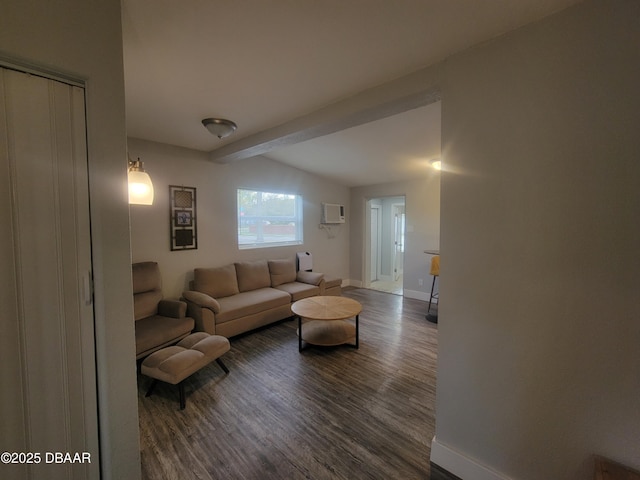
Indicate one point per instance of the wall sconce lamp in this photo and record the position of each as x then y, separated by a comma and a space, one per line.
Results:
219, 127
140, 186
436, 163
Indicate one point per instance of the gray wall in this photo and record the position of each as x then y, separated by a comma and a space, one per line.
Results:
88, 45
216, 187
539, 358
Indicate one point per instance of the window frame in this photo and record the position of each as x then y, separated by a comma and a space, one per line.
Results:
297, 219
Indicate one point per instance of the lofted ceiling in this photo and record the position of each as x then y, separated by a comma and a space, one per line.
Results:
301, 78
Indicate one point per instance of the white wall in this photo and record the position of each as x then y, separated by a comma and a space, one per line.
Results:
84, 40
539, 334
422, 201
216, 187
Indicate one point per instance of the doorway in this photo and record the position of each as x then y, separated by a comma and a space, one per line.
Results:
398, 240
385, 244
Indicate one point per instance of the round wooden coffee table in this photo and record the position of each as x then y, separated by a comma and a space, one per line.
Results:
327, 323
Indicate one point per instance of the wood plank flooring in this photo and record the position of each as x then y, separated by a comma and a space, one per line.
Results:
324, 413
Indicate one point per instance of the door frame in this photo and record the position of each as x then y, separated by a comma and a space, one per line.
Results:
398, 209
366, 238
377, 237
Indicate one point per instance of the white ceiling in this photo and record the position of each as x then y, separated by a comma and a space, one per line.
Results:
268, 63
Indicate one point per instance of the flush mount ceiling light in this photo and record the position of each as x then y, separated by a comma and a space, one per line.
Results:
219, 127
436, 163
140, 186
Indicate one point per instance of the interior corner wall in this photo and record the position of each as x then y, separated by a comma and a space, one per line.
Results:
83, 40
216, 192
539, 365
422, 230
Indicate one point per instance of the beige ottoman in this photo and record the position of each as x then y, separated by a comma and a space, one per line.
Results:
174, 364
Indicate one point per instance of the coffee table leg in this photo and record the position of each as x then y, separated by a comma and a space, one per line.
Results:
299, 333
357, 331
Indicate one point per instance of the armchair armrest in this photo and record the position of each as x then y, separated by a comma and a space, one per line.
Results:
172, 308
312, 278
202, 300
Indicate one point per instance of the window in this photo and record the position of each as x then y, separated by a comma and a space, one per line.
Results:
267, 219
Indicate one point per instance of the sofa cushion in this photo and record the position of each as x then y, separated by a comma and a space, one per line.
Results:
253, 275
157, 331
299, 290
251, 302
147, 289
216, 282
146, 304
146, 277
282, 271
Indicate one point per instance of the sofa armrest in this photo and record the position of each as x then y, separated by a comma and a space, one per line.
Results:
312, 278
202, 308
172, 308
202, 300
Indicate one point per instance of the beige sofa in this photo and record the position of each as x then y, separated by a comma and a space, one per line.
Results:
242, 296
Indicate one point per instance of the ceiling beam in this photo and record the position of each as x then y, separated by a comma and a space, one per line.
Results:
406, 93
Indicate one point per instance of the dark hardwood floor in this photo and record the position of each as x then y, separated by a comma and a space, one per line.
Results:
324, 413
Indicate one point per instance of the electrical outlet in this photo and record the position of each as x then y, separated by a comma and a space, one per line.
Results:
420, 282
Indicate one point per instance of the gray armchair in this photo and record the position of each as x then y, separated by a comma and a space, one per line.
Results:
158, 322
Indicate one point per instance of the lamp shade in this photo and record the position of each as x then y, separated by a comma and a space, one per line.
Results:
140, 186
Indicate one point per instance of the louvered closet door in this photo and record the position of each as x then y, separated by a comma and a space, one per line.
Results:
47, 360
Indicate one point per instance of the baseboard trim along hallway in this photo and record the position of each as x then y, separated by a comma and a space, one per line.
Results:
460, 465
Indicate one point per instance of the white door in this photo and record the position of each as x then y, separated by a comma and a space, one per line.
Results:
47, 360
374, 260
398, 241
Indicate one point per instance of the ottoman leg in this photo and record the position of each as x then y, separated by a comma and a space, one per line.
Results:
222, 365
151, 387
181, 392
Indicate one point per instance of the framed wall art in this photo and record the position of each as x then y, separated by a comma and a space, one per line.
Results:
182, 218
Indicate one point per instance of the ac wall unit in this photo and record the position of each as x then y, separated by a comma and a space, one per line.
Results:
332, 213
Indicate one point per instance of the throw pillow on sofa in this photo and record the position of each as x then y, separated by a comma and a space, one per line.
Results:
253, 275
216, 282
282, 271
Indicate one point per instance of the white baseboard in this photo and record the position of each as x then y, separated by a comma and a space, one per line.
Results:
460, 465
407, 293
416, 294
